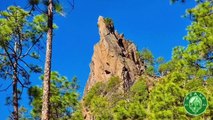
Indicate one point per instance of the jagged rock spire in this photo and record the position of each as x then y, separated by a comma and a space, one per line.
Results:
113, 56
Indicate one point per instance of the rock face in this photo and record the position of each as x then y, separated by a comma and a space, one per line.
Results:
113, 56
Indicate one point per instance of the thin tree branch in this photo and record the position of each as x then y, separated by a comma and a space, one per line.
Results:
25, 63
27, 52
5, 89
22, 84
40, 10
72, 4
22, 68
10, 59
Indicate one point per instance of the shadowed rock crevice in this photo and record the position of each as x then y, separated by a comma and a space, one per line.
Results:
107, 72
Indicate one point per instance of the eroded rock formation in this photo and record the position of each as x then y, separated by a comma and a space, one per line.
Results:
113, 56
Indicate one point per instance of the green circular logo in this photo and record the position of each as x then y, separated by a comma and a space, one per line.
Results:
195, 103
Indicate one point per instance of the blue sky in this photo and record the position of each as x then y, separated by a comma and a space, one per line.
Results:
156, 25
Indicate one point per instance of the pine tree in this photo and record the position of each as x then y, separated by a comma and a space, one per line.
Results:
47, 68
18, 37
63, 99
52, 6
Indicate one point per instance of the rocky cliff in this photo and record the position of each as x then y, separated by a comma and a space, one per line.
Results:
113, 56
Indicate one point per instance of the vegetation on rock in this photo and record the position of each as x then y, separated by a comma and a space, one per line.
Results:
190, 69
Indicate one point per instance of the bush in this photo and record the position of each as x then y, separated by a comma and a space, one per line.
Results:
112, 83
108, 21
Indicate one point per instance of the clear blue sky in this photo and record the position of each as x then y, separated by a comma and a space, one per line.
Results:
154, 24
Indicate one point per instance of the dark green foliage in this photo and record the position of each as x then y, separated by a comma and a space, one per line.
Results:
19, 31
109, 24
147, 57
24, 114
160, 60
37, 5
108, 21
64, 98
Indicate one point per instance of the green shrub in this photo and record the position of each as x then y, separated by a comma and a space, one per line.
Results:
108, 21
112, 83
94, 91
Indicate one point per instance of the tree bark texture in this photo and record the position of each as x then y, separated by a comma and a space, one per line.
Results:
15, 92
47, 69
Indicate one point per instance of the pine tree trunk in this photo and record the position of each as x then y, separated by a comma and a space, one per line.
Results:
47, 69
15, 92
